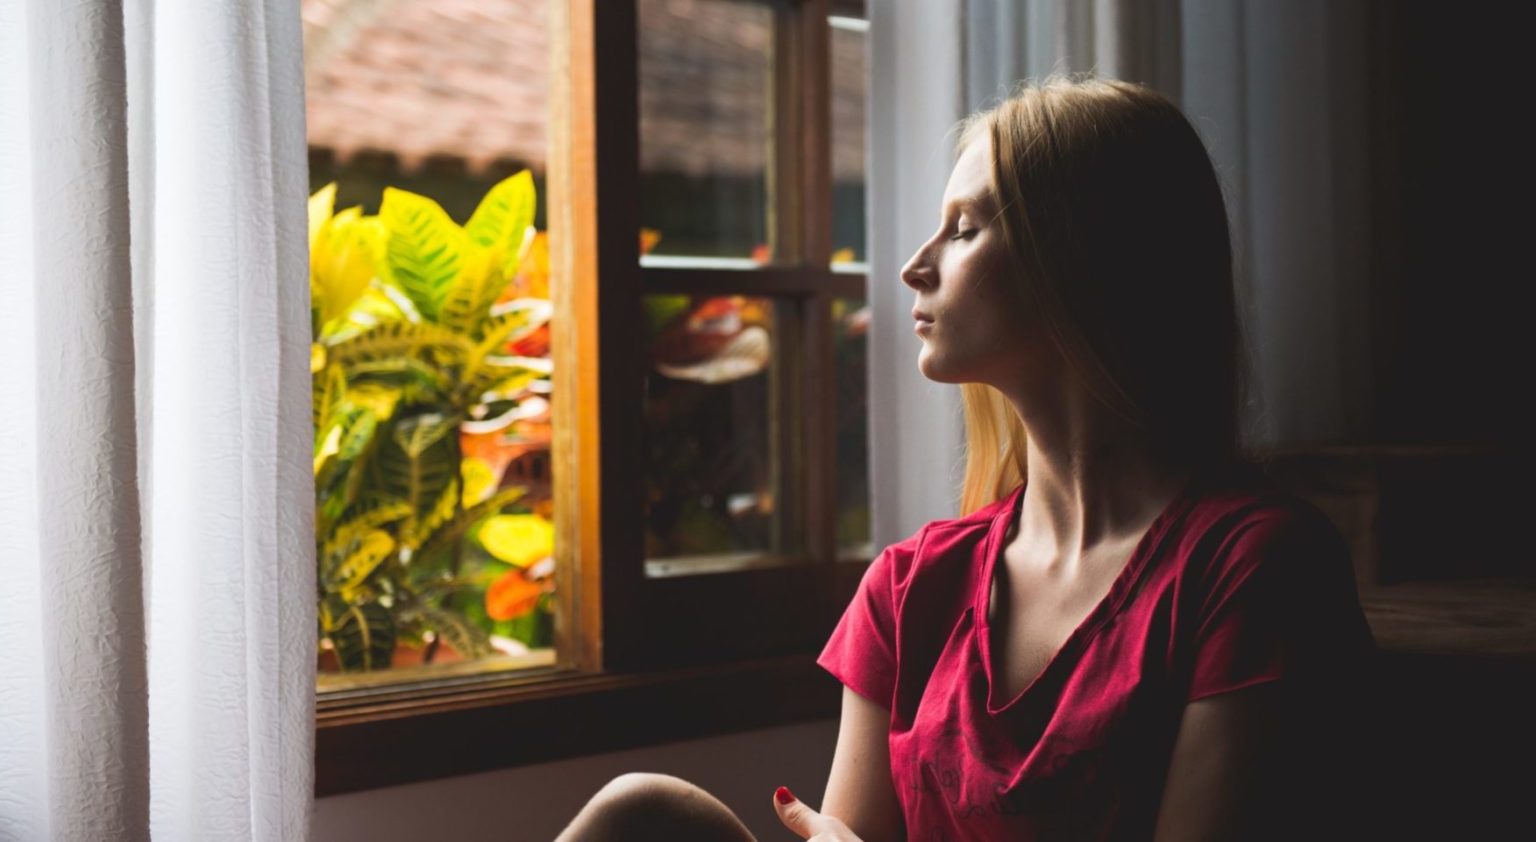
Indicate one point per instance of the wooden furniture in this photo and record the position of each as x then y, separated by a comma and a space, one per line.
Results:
1448, 582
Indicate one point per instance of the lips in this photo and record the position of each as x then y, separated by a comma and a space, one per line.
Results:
920, 316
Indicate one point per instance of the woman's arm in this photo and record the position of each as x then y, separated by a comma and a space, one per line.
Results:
859, 790
1231, 769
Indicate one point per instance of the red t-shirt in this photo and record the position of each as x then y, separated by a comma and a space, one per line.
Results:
1234, 584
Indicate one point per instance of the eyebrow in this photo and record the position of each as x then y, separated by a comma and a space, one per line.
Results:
976, 202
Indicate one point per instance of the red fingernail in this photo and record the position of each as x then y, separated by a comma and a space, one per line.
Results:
784, 795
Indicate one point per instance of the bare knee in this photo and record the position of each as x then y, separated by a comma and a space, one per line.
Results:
643, 792
648, 805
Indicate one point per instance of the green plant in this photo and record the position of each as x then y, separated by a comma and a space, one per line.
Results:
412, 328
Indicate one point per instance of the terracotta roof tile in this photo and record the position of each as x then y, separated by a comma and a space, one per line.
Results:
468, 78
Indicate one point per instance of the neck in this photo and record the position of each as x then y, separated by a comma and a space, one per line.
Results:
1093, 480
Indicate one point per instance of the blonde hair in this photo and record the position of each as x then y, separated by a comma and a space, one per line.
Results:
1115, 221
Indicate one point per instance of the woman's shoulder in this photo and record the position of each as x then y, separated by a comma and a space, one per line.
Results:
1243, 517
941, 540
1244, 497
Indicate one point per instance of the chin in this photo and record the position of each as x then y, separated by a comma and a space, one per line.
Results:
956, 369
937, 371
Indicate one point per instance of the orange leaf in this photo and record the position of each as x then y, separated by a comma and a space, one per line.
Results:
535, 344
511, 596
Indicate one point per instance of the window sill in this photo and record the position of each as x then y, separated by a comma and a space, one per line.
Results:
1474, 620
533, 719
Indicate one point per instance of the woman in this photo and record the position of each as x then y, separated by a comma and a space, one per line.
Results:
1142, 641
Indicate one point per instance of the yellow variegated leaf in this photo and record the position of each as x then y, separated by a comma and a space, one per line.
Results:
378, 304
512, 321
479, 479
512, 388
519, 540
364, 635
357, 433
376, 398
329, 447
394, 340
418, 459
417, 434
361, 519
498, 500
359, 564
502, 220
479, 284
344, 260
543, 365
320, 206
416, 531
328, 391
503, 373
424, 251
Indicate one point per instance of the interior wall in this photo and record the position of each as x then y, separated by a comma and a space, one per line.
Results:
1448, 170
534, 803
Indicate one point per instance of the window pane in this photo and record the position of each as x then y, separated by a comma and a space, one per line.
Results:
430, 288
705, 67
713, 496
850, 57
851, 347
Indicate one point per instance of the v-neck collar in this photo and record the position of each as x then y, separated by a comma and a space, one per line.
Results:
1146, 548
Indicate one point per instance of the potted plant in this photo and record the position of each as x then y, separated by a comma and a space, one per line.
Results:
424, 338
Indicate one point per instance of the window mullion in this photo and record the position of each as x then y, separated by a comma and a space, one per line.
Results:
597, 396
791, 476
813, 146
819, 381
775, 281
785, 123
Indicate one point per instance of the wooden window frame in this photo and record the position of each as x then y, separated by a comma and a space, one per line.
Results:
688, 656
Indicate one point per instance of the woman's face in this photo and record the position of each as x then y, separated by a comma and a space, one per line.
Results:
969, 309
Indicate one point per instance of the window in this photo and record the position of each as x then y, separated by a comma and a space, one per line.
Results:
678, 431
431, 356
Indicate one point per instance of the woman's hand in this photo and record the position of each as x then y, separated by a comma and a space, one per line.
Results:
807, 823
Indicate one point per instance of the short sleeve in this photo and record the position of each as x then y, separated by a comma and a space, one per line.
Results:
861, 653
1281, 604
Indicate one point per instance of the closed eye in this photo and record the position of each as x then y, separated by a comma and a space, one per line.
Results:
965, 235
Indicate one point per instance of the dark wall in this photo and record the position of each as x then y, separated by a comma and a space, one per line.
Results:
1451, 179
361, 181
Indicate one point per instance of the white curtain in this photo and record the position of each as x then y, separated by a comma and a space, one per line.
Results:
915, 425
157, 595
1277, 90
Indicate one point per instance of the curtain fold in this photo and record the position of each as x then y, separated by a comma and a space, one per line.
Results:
915, 425
74, 756
157, 577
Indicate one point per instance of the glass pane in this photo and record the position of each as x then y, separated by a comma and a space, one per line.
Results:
712, 491
851, 347
430, 289
850, 66
705, 67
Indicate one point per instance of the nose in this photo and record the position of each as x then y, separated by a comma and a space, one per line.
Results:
918, 274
